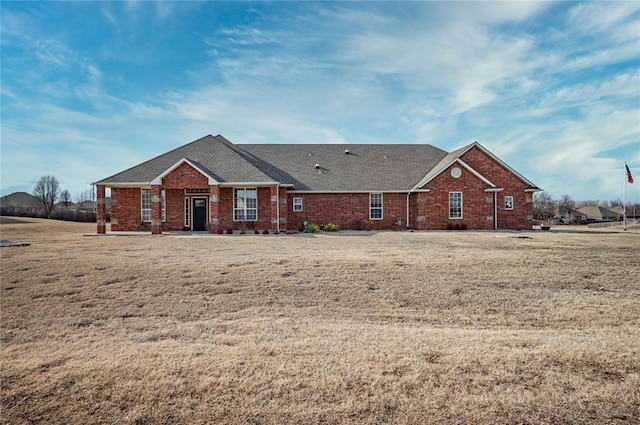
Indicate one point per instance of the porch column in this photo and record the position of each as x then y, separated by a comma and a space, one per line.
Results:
156, 210
101, 210
214, 209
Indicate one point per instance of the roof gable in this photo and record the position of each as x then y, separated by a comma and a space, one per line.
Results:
455, 156
158, 180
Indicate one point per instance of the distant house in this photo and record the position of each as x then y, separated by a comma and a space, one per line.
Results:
19, 203
593, 213
215, 185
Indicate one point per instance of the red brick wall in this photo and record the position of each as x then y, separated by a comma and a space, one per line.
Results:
520, 217
125, 210
185, 177
264, 211
174, 204
477, 204
345, 210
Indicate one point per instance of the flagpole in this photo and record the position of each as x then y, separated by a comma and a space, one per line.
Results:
624, 200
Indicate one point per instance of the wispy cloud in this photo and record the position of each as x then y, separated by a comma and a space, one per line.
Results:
552, 88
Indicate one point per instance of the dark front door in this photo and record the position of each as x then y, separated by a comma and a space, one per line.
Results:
199, 214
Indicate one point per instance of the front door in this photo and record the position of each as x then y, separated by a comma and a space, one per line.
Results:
199, 214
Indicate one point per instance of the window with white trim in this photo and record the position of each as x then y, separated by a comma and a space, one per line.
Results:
145, 205
455, 204
245, 204
375, 206
508, 202
297, 204
164, 207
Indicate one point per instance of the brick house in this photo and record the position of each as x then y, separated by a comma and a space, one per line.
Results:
212, 184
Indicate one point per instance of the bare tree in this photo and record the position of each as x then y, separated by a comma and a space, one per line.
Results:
85, 195
544, 206
616, 203
587, 203
566, 204
46, 193
65, 198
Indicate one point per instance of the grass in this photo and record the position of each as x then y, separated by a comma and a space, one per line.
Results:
403, 328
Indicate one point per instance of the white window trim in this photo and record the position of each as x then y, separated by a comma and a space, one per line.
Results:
145, 218
381, 207
142, 209
245, 209
164, 206
505, 203
461, 206
297, 202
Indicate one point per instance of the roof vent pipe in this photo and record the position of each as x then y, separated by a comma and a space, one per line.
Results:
317, 166
346, 151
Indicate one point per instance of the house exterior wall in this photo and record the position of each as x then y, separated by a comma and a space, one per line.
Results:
347, 210
520, 218
125, 210
428, 210
432, 211
185, 177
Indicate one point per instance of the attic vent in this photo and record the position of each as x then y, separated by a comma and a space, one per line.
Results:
386, 157
346, 151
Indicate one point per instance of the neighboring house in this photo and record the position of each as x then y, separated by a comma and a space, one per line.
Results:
19, 203
215, 185
592, 213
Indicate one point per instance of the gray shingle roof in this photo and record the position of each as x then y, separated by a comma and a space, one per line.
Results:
367, 167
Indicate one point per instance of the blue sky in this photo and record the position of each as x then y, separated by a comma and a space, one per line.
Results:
552, 88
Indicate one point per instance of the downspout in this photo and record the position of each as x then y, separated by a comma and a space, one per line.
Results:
278, 207
407, 222
495, 210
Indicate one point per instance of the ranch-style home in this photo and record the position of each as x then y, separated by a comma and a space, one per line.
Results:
214, 185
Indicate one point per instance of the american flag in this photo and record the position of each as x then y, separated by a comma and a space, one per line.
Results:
629, 176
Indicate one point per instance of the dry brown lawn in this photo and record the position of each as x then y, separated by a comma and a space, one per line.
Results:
402, 328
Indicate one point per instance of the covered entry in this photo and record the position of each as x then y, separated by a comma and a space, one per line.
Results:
199, 209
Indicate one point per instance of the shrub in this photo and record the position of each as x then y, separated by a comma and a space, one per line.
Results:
265, 232
311, 228
229, 231
220, 231
463, 226
359, 224
330, 227
450, 226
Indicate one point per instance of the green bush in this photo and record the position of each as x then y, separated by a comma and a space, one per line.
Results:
311, 228
330, 227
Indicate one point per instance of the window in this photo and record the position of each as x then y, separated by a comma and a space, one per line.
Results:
186, 212
375, 206
455, 204
297, 204
508, 202
164, 208
146, 206
245, 204
196, 191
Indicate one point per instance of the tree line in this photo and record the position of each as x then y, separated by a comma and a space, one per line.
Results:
52, 202
546, 207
